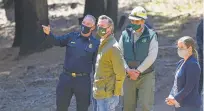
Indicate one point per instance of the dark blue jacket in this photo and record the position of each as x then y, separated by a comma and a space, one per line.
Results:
81, 51
187, 83
199, 38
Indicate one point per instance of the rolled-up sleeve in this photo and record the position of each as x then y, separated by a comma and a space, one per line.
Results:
119, 69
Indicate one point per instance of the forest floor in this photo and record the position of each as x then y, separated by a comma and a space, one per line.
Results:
29, 84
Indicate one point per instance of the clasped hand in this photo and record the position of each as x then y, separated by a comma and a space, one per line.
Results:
133, 73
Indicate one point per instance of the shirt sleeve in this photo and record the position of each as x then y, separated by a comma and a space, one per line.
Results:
171, 93
192, 75
61, 40
122, 50
152, 55
177, 65
119, 70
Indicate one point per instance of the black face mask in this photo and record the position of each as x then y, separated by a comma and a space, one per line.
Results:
85, 29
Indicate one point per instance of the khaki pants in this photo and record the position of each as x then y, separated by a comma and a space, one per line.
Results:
143, 89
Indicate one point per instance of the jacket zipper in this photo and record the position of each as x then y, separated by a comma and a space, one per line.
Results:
134, 47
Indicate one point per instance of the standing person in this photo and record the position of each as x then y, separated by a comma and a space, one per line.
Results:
199, 38
184, 94
140, 49
110, 71
81, 49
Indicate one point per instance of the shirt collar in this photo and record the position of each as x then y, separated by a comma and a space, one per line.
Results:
110, 37
86, 38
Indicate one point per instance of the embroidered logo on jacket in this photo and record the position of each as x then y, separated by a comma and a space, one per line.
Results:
144, 40
90, 45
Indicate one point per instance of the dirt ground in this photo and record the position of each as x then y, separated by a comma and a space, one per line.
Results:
29, 84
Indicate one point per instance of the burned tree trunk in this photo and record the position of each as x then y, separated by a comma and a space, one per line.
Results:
101, 7
19, 21
30, 15
94, 7
112, 10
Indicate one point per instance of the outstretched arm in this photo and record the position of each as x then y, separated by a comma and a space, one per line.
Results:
58, 40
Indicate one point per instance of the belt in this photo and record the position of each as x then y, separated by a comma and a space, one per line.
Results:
74, 74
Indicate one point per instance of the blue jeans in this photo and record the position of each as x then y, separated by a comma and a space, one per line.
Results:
93, 100
107, 104
94, 104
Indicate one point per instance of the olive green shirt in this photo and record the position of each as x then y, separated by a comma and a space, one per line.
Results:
110, 71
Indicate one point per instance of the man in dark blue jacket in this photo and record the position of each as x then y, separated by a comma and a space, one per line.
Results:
199, 37
81, 50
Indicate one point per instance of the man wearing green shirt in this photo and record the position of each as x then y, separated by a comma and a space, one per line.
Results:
140, 48
109, 70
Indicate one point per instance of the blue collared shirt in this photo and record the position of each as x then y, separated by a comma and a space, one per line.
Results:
80, 51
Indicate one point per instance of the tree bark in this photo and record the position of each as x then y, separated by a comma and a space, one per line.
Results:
29, 33
19, 20
7, 3
94, 7
101, 7
112, 11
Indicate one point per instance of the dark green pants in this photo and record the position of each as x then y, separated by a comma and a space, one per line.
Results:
143, 89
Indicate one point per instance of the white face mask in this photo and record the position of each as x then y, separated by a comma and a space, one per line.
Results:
182, 52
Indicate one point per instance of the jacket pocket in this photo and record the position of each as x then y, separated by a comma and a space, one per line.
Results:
110, 86
99, 87
99, 84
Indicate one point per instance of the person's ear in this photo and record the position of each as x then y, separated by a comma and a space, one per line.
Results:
190, 49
